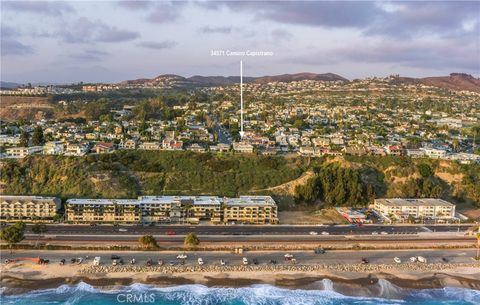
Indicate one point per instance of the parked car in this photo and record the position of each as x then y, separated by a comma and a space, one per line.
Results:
132, 261
288, 256
182, 256
445, 260
62, 261
114, 256
421, 259
200, 261
96, 261
245, 261
397, 260
413, 259
122, 230
255, 261
149, 262
319, 251
222, 262
365, 261
325, 233
313, 233
171, 233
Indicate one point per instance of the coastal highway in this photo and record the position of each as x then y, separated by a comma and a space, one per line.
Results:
281, 230
263, 257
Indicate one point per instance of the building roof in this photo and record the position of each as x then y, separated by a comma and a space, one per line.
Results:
251, 201
101, 201
28, 198
413, 202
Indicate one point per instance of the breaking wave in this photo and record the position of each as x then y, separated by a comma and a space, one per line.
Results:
382, 293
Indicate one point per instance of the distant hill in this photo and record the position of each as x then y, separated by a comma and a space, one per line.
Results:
299, 77
456, 81
198, 80
9, 85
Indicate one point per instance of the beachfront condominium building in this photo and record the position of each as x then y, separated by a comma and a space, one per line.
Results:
28, 208
402, 208
250, 209
103, 210
185, 209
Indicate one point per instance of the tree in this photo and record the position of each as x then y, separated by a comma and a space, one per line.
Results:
39, 229
191, 240
24, 139
13, 234
38, 138
148, 241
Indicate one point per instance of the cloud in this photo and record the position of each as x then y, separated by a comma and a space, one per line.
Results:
438, 55
328, 14
216, 30
280, 35
85, 31
393, 19
165, 12
10, 45
167, 44
50, 8
89, 55
136, 5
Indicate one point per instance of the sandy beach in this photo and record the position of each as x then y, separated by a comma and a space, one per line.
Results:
348, 279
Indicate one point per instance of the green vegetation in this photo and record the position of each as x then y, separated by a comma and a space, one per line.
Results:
191, 240
131, 173
335, 186
355, 181
148, 241
13, 234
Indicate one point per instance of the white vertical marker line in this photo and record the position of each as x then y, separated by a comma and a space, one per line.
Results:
241, 100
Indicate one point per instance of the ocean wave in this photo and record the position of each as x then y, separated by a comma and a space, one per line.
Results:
385, 293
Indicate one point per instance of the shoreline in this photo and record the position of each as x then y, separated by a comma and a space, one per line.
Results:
355, 280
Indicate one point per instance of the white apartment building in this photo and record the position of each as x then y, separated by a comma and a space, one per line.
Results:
54, 148
25, 208
402, 208
435, 153
22, 152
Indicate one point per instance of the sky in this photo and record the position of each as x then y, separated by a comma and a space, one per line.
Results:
111, 41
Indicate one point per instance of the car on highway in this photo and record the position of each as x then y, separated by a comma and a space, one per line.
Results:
313, 233
122, 230
245, 261
182, 256
325, 233
200, 261
171, 233
397, 260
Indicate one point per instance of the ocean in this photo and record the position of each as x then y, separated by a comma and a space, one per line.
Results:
84, 294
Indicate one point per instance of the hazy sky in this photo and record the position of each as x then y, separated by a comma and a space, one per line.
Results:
111, 41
